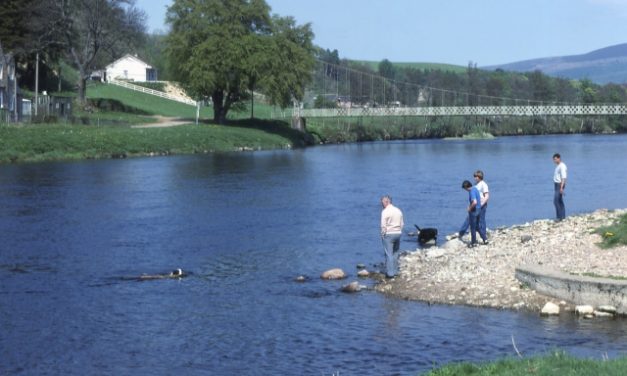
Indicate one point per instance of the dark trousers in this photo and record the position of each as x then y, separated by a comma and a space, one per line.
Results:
558, 201
481, 226
473, 220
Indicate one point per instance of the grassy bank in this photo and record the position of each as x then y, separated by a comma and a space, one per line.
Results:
616, 234
332, 130
64, 142
554, 364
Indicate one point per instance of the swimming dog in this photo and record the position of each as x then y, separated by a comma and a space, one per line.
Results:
425, 235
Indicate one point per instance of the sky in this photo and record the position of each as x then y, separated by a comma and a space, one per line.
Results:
485, 32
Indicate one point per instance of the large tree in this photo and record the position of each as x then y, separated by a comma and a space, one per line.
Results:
95, 30
225, 49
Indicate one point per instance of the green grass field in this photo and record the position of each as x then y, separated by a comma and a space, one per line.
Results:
550, 365
138, 102
145, 103
44, 142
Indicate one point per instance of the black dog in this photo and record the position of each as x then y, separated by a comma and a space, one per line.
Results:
425, 235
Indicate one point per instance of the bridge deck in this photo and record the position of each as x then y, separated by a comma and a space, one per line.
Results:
529, 110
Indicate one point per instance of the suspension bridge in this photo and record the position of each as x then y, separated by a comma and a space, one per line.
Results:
343, 92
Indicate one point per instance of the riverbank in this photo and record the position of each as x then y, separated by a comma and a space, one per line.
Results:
44, 142
557, 363
484, 276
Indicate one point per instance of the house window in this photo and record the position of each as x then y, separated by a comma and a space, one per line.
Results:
125, 73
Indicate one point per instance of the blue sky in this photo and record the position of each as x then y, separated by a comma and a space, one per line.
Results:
486, 32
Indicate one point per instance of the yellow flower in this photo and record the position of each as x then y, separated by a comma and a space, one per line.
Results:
608, 234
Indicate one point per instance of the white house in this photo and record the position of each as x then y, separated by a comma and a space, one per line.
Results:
130, 68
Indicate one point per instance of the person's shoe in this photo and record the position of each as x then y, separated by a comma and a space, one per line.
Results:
485, 242
472, 245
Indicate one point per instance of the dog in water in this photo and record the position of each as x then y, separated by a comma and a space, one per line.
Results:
425, 235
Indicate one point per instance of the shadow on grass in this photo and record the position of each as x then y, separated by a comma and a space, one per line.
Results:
277, 127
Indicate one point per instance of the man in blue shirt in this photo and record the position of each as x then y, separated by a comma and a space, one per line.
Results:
474, 210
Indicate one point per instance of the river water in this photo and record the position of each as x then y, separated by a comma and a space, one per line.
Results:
244, 225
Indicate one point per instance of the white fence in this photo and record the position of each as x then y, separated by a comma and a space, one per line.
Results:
153, 92
536, 110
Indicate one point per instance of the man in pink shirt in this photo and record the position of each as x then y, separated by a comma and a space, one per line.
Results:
391, 230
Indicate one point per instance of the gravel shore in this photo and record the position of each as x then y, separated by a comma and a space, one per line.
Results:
484, 275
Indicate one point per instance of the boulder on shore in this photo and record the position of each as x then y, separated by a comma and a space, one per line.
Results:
550, 309
584, 310
335, 273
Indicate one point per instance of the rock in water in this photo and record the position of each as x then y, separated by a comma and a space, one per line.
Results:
584, 310
301, 278
608, 309
336, 273
363, 273
550, 309
351, 287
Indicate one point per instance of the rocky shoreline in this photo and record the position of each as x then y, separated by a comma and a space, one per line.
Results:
484, 276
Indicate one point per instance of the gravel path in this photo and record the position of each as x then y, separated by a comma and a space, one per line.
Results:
163, 121
484, 275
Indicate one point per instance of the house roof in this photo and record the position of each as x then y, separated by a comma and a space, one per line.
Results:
132, 57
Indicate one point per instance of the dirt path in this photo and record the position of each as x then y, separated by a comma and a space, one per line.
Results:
162, 122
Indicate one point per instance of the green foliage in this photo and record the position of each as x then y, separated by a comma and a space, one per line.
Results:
614, 235
386, 69
373, 65
557, 363
52, 142
342, 129
225, 49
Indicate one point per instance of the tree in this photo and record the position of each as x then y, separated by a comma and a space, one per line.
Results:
97, 29
387, 69
289, 61
224, 49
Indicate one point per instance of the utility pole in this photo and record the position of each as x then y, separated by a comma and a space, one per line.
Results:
36, 82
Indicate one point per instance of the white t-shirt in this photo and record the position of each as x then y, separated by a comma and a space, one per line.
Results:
482, 187
560, 172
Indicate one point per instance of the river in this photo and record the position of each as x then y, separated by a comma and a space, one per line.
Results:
244, 225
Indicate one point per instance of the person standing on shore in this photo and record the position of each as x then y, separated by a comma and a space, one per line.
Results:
474, 210
559, 183
484, 191
391, 229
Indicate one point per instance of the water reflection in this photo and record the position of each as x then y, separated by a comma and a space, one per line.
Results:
245, 225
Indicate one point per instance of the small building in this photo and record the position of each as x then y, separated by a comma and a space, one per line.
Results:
129, 68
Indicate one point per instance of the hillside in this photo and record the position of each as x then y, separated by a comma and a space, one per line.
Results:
602, 66
445, 67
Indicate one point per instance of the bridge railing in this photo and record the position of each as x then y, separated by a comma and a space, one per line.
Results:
509, 110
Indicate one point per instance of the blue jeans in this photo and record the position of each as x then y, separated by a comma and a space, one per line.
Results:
391, 245
473, 220
558, 201
481, 226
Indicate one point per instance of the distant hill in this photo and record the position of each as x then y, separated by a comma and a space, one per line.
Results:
602, 66
445, 67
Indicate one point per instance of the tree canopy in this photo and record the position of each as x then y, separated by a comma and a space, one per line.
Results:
226, 49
